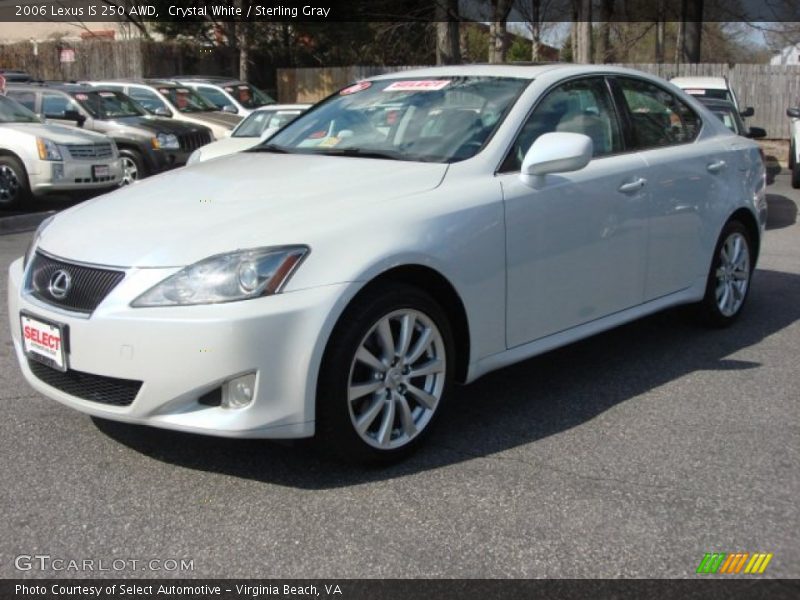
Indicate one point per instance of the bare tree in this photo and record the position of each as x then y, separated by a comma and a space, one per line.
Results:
540, 16
693, 30
448, 42
604, 52
660, 26
497, 30
583, 31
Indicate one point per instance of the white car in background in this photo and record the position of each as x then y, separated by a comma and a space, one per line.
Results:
717, 88
37, 159
254, 129
168, 99
230, 95
337, 280
794, 145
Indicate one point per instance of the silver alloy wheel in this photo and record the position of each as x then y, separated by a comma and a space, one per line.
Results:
397, 378
9, 184
733, 274
130, 172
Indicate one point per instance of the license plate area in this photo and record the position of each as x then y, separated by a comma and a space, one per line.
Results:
45, 341
99, 171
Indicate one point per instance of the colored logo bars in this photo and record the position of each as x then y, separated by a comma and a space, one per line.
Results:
723, 563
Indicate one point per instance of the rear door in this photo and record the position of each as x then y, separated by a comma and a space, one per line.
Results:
687, 179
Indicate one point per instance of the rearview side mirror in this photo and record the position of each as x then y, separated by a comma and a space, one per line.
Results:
162, 111
748, 112
558, 152
757, 133
230, 108
794, 112
74, 115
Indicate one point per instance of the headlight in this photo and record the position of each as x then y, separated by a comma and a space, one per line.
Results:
228, 277
35, 240
167, 141
193, 157
48, 149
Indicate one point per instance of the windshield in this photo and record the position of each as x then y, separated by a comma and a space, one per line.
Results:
262, 121
706, 93
248, 96
729, 117
436, 120
13, 112
109, 105
186, 100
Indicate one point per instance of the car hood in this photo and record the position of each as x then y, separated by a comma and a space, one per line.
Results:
244, 200
59, 134
157, 125
227, 146
216, 118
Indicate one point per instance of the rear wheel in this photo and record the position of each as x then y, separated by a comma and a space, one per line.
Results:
385, 375
14, 187
729, 278
796, 176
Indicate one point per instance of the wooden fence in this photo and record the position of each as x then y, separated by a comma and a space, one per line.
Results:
770, 89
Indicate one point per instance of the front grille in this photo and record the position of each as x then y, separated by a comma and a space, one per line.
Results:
86, 288
192, 141
87, 151
95, 388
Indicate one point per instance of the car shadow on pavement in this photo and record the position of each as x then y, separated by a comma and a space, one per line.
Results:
781, 212
515, 406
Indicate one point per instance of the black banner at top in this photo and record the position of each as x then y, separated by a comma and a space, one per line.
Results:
390, 10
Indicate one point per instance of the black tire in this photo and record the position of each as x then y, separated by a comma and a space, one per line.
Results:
14, 187
796, 176
336, 414
135, 160
710, 312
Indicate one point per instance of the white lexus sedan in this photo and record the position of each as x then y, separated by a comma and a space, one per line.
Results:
411, 231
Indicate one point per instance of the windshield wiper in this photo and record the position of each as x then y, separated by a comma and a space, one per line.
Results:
359, 153
269, 148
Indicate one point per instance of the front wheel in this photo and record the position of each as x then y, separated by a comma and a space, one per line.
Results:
796, 176
14, 187
132, 166
729, 278
385, 375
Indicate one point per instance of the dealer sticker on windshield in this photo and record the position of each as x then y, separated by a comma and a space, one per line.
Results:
43, 342
425, 85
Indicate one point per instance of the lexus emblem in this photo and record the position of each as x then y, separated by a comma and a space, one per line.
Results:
60, 283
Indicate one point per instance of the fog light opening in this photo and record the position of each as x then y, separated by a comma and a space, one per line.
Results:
239, 392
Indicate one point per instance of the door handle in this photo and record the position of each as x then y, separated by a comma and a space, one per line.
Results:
716, 167
633, 186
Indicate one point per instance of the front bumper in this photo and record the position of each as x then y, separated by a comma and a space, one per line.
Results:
182, 353
164, 160
73, 176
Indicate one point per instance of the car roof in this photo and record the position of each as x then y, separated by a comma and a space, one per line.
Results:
134, 81
708, 83
517, 70
58, 86
209, 80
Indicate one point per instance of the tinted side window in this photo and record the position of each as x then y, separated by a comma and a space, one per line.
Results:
580, 106
146, 98
27, 99
54, 106
216, 97
657, 117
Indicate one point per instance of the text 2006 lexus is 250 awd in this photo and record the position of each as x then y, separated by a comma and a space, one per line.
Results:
409, 231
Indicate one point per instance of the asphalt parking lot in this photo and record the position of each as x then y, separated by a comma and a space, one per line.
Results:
627, 455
